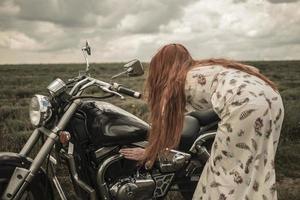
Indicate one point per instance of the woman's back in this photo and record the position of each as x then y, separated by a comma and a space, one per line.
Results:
206, 84
251, 114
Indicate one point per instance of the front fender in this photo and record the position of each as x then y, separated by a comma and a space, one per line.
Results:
14, 159
9, 159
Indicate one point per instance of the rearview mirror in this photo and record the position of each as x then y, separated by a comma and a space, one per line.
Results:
134, 68
87, 48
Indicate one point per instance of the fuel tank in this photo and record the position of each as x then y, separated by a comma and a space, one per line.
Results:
106, 124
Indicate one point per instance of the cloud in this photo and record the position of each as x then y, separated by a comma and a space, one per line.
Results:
128, 15
69, 13
17, 41
54, 30
150, 15
271, 1
282, 1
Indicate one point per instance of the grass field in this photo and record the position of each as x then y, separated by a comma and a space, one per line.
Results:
20, 82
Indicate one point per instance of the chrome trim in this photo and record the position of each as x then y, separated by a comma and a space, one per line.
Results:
77, 85
43, 113
101, 83
56, 87
45, 131
137, 94
70, 148
201, 139
100, 175
119, 74
165, 182
87, 85
103, 150
34, 137
78, 181
59, 188
53, 160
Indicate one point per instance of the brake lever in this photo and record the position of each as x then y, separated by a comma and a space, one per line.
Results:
111, 91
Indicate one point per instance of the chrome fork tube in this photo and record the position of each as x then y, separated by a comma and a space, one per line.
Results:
16, 192
46, 148
32, 140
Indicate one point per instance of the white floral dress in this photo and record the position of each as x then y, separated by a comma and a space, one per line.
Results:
241, 165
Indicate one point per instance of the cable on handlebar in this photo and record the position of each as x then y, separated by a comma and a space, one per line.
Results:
92, 97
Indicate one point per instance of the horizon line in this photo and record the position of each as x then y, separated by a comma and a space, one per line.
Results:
109, 62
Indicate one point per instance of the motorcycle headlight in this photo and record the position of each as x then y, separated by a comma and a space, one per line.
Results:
39, 110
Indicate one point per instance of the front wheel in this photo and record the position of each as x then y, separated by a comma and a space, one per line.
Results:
35, 191
187, 188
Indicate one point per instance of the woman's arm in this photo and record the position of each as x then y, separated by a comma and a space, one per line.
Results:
133, 153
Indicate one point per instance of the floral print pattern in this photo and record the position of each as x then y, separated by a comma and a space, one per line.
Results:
241, 165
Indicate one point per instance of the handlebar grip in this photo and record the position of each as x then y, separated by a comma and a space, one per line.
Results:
129, 92
126, 91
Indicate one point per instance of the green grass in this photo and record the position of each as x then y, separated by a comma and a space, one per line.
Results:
20, 82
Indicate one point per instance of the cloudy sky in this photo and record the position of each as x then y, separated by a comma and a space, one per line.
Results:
52, 31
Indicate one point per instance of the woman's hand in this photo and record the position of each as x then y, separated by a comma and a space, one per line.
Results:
133, 153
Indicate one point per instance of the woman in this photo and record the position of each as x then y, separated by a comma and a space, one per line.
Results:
241, 165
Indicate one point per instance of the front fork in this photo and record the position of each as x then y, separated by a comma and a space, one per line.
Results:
22, 177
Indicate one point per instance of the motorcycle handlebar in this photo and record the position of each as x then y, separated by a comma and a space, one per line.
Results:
113, 88
127, 91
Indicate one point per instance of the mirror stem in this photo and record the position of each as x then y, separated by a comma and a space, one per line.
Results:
115, 76
125, 72
86, 60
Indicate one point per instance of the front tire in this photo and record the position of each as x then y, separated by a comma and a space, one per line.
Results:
36, 190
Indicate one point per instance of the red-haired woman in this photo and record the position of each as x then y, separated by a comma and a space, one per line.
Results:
241, 165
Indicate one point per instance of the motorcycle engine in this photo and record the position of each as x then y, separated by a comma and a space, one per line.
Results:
172, 160
139, 187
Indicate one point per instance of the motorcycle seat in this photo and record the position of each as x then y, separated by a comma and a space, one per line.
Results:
205, 117
196, 123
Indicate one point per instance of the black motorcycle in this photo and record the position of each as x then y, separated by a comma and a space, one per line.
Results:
85, 133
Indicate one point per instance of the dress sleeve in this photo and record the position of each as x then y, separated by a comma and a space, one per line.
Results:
197, 90
188, 94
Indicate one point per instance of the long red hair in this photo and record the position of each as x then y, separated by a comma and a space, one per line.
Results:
166, 97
